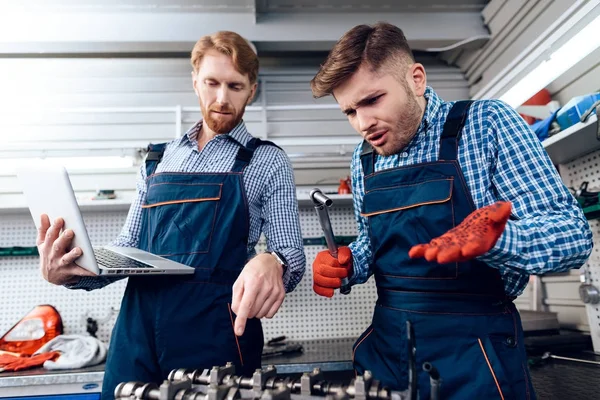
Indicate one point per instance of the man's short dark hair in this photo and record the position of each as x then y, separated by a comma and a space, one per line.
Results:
375, 45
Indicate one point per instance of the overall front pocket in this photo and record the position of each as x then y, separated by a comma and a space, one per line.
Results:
404, 215
181, 216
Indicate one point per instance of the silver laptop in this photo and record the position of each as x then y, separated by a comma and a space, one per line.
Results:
48, 190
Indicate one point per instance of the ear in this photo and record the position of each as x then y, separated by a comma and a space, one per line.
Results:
252, 93
195, 83
417, 79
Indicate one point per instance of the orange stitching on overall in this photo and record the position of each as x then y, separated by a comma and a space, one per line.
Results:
194, 173
179, 202
411, 205
234, 335
406, 207
491, 369
407, 167
358, 344
189, 184
384, 188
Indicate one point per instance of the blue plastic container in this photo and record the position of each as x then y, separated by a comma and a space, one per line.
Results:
570, 113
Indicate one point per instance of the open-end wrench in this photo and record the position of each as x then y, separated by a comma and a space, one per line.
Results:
321, 203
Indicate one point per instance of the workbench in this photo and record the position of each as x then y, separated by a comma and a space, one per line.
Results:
554, 379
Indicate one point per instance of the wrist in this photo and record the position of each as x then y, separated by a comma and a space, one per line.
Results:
279, 260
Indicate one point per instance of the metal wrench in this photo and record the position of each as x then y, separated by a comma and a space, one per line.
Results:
321, 203
550, 355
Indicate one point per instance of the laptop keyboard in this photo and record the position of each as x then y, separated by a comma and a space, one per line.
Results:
110, 259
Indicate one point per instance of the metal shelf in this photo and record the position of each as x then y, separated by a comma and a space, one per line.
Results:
123, 204
574, 142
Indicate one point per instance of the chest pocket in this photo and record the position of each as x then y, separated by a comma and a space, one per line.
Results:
181, 217
404, 215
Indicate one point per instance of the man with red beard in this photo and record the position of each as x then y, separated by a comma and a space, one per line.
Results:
457, 204
202, 200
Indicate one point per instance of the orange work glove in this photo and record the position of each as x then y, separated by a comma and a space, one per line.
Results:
475, 236
328, 272
12, 363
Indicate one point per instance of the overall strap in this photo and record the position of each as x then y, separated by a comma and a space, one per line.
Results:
453, 127
367, 158
245, 153
155, 155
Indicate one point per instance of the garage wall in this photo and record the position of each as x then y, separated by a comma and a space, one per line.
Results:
581, 79
116, 106
514, 26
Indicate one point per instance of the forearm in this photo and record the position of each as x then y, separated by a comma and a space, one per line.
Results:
547, 231
282, 221
549, 243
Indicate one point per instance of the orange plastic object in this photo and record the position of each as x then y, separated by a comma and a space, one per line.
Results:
541, 98
344, 187
37, 328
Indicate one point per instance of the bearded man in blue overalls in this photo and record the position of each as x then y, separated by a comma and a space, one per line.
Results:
202, 200
457, 204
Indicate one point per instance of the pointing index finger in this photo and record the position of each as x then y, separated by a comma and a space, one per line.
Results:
248, 299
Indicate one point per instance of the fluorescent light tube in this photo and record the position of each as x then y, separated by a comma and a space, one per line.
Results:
569, 54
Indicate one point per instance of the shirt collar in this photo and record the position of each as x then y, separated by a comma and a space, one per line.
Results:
239, 134
434, 103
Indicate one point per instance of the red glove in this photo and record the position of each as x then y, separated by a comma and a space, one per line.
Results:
475, 236
13, 363
328, 272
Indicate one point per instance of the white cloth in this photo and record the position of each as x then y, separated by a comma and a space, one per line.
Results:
76, 351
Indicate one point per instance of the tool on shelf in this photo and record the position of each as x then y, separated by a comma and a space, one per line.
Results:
588, 200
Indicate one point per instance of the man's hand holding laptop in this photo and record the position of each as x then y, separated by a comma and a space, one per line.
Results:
57, 264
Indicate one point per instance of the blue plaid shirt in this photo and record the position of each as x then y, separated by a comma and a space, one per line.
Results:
501, 159
270, 189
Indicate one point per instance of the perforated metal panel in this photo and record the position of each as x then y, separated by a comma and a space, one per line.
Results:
304, 315
588, 169
22, 287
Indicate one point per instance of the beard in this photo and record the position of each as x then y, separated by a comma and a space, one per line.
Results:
409, 120
221, 123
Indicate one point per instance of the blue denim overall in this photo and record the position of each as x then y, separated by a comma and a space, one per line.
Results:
463, 322
170, 322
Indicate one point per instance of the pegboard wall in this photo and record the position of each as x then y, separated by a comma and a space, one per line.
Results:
22, 286
303, 315
588, 169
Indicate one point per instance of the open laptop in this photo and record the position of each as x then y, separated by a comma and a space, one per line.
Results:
48, 190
